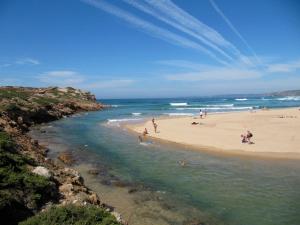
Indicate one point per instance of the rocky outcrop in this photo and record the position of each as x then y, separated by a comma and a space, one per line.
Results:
42, 171
21, 108
24, 107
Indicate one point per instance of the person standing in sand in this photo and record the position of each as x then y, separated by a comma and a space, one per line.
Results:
155, 127
154, 124
201, 114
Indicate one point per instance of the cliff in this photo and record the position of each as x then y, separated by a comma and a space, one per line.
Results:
29, 181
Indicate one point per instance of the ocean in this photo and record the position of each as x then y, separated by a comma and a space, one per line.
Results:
146, 183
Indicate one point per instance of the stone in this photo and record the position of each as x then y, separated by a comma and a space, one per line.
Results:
42, 171
117, 216
35, 142
94, 199
65, 188
20, 120
66, 157
93, 171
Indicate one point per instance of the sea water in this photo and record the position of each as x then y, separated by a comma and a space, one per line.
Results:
209, 189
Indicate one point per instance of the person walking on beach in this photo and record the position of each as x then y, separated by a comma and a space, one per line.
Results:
201, 114
154, 124
205, 112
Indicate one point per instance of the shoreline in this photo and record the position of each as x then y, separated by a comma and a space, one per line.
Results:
210, 148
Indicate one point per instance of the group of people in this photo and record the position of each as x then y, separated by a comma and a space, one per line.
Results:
145, 132
246, 138
201, 114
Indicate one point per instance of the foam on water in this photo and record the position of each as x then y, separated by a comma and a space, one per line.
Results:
289, 98
136, 114
179, 114
178, 104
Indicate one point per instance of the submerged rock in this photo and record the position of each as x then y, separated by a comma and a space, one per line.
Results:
66, 157
93, 171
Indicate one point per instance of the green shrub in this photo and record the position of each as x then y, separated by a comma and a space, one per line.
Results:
5, 141
21, 192
43, 101
72, 215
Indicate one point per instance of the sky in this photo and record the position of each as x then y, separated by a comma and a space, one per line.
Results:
151, 48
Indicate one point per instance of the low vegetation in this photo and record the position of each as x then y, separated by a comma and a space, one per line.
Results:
72, 215
21, 192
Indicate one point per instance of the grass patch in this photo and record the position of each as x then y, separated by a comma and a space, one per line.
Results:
14, 93
72, 215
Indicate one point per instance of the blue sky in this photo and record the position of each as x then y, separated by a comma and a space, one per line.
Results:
151, 48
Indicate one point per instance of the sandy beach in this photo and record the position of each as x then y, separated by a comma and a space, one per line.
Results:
275, 132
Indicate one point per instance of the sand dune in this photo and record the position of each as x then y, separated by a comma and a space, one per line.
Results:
276, 132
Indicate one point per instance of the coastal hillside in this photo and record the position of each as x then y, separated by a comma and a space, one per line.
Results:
29, 181
285, 93
28, 106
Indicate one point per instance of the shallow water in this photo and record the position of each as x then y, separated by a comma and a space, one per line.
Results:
210, 188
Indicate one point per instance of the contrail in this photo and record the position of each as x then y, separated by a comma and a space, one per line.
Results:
145, 8
219, 11
152, 29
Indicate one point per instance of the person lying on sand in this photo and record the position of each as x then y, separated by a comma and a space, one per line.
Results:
249, 136
244, 138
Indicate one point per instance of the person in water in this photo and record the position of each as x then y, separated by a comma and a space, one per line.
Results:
182, 163
145, 132
140, 138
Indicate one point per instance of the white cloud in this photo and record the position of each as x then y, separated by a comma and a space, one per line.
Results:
5, 65
61, 78
21, 61
284, 67
27, 61
182, 64
215, 73
117, 83
64, 78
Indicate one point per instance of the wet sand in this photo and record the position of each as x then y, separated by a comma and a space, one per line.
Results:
275, 132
